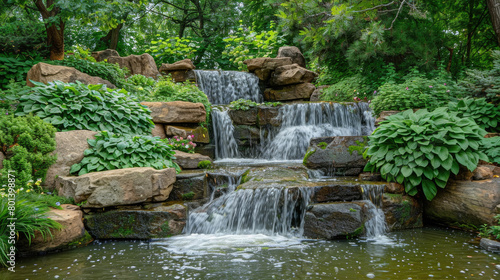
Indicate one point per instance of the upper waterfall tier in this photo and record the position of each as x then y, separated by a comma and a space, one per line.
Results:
223, 87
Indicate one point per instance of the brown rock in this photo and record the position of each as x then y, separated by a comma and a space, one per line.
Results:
368, 176
159, 130
316, 95
294, 53
402, 211
269, 115
335, 193
118, 187
200, 133
464, 174
383, 115
266, 63
181, 76
293, 92
70, 219
188, 160
465, 202
46, 73
482, 173
143, 64
490, 135
105, 54
70, 146
176, 112
291, 74
185, 64
246, 117
394, 188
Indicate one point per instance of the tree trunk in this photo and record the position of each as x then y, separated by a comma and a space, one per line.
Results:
55, 39
494, 9
112, 37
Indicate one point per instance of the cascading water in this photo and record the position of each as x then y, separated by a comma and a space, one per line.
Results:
269, 211
223, 87
225, 143
376, 227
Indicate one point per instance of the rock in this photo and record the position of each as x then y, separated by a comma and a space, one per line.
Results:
368, 176
185, 64
72, 232
105, 54
245, 135
291, 74
181, 76
46, 73
143, 64
294, 53
383, 115
2, 157
394, 188
118, 187
402, 211
490, 245
245, 117
464, 174
490, 135
293, 92
200, 133
316, 95
189, 161
70, 146
465, 202
159, 130
334, 220
269, 115
333, 152
206, 150
176, 112
482, 172
156, 222
187, 184
267, 63
334, 193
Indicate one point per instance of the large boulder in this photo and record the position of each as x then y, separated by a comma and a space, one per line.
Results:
46, 73
188, 160
155, 222
71, 234
118, 187
402, 211
159, 131
185, 64
264, 66
245, 117
465, 202
70, 146
334, 220
143, 64
292, 92
291, 74
105, 54
200, 133
316, 95
294, 53
336, 192
176, 112
332, 153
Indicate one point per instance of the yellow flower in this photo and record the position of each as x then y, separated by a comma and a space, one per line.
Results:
495, 176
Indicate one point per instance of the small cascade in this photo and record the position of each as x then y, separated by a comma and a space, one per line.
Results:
368, 120
376, 227
223, 87
225, 143
269, 211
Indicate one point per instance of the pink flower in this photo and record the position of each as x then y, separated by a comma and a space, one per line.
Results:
444, 83
336, 95
406, 88
375, 92
182, 138
430, 86
448, 91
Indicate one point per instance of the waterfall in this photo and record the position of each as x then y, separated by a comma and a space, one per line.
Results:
225, 144
269, 211
222, 87
376, 227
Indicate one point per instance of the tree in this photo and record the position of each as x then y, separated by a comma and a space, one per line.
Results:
494, 8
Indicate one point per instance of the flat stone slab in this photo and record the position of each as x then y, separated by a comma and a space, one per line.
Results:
294, 92
118, 187
176, 112
188, 160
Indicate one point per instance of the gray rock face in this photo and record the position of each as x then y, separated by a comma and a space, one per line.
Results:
490, 245
334, 220
187, 183
70, 146
156, 222
333, 152
402, 211
293, 92
293, 53
143, 64
105, 54
176, 112
45, 73
118, 187
465, 202
291, 74
335, 193
189, 161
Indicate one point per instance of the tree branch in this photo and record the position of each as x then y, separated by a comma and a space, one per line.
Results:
399, 10
376, 7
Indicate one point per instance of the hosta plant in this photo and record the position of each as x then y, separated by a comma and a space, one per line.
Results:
486, 115
93, 107
491, 148
420, 150
110, 151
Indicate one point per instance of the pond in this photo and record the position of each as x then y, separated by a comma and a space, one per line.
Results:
426, 253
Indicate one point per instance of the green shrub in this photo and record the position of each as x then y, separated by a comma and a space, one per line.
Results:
416, 92
92, 107
485, 83
110, 151
9, 97
30, 219
486, 115
493, 231
242, 104
27, 143
204, 164
491, 147
180, 144
13, 68
423, 148
140, 86
346, 90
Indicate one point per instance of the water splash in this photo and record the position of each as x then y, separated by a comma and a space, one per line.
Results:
223, 87
376, 227
225, 143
